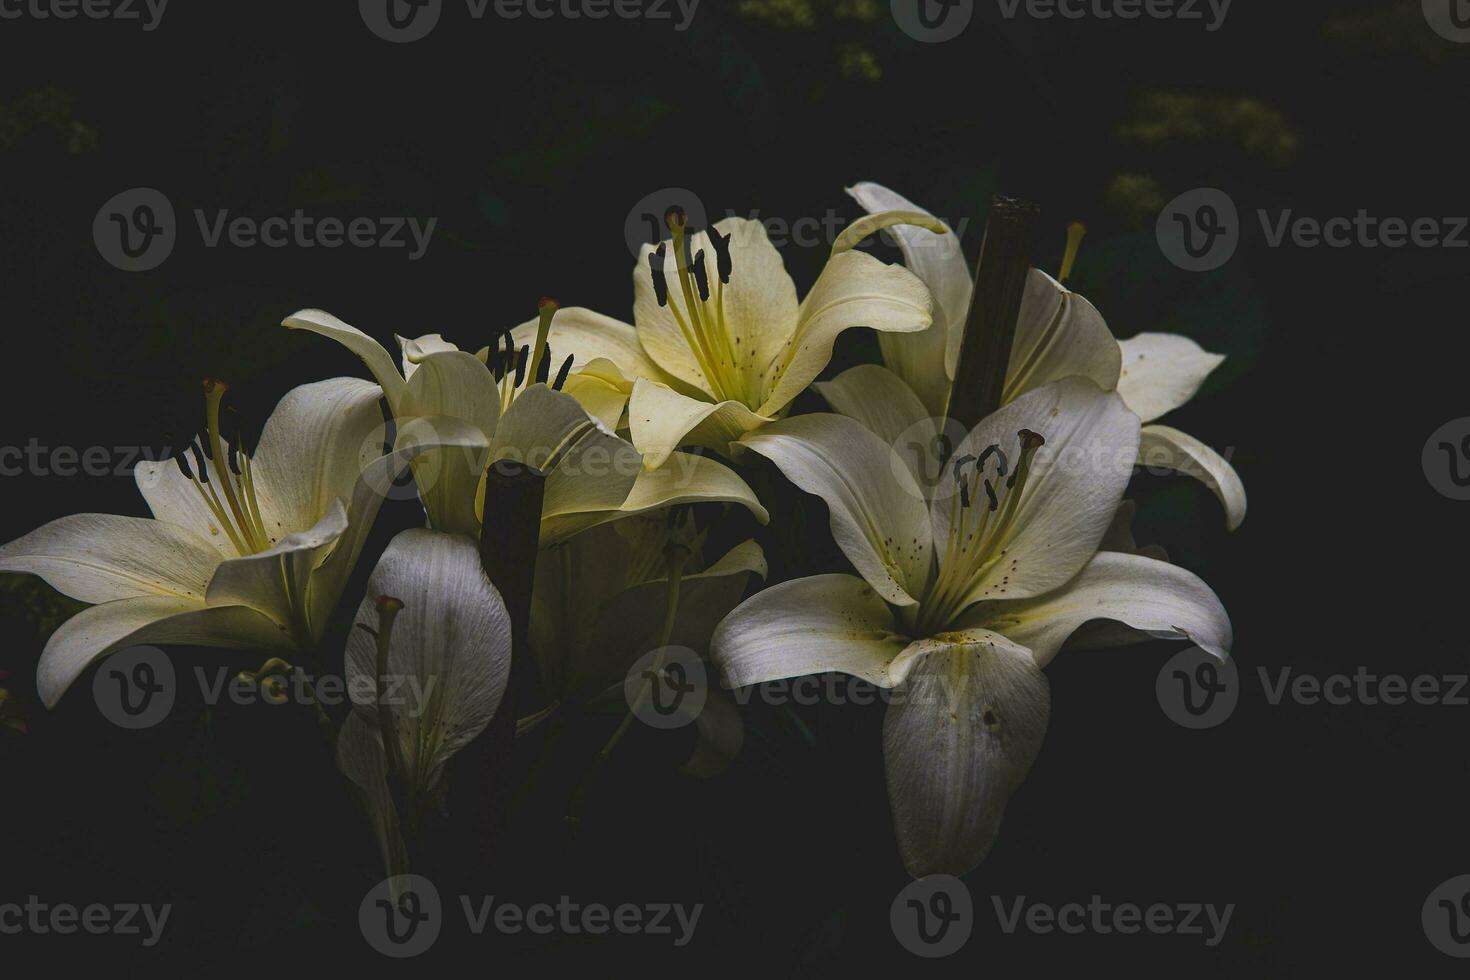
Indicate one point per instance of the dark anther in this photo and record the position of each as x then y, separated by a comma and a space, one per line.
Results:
182, 458
1002, 465
660, 284
701, 277
199, 461
566, 369
990, 492
964, 494
521, 364
234, 457
958, 468
543, 366
722, 253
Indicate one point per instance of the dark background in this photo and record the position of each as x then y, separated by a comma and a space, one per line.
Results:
530, 141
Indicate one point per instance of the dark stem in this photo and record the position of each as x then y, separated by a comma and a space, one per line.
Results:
509, 543
995, 306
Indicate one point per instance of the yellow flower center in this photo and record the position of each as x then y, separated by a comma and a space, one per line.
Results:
230, 497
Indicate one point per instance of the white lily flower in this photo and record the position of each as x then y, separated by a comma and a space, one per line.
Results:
243, 551
961, 600
427, 664
721, 346
593, 476
1059, 334
619, 574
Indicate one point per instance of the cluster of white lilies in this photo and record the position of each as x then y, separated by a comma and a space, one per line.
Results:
971, 567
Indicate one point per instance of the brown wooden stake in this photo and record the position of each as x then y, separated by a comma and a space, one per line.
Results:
995, 306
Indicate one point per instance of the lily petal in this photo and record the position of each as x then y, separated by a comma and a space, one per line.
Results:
453, 385
311, 451
881, 401
1069, 499
877, 512
100, 557
373, 354
450, 644
174, 499
854, 290
1183, 453
589, 336
1162, 371
958, 740
1155, 597
925, 360
274, 582
660, 420
415, 349
1059, 335
95, 632
808, 626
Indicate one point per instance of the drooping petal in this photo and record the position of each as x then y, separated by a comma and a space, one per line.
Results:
275, 581
760, 308
877, 512
1059, 335
312, 449
373, 354
100, 557
602, 390
958, 739
361, 758
660, 420
808, 626
854, 290
926, 360
449, 655
95, 632
1162, 371
1171, 449
881, 401
1155, 597
1070, 495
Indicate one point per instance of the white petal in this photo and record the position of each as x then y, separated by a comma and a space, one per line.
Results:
1162, 371
453, 385
602, 397
589, 336
311, 451
958, 740
274, 582
111, 626
1059, 335
1072, 492
360, 756
1174, 450
415, 349
100, 557
808, 626
854, 290
660, 420
925, 360
684, 479
877, 512
373, 354
760, 306
449, 649
173, 498
1160, 599
879, 399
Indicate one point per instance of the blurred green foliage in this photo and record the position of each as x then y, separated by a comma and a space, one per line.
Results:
48, 111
